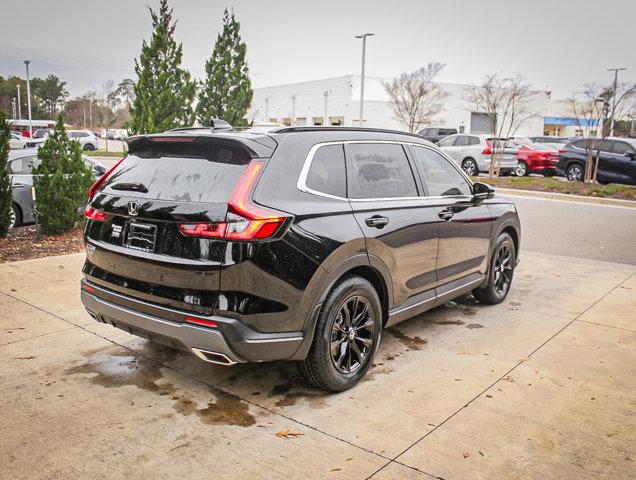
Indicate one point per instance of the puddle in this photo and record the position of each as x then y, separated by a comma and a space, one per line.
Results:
113, 371
414, 343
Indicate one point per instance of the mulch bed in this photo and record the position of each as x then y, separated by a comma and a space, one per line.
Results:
21, 244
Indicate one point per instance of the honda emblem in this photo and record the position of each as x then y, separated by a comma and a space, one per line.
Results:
133, 208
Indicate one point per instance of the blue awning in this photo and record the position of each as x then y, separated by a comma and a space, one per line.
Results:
569, 121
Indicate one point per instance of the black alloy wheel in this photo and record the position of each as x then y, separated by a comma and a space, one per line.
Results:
352, 335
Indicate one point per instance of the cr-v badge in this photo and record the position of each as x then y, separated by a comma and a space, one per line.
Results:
133, 208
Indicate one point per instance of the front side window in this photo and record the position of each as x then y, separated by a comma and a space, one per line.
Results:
440, 176
622, 148
461, 141
447, 142
379, 170
327, 171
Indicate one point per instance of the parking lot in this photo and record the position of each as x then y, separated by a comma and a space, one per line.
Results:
539, 386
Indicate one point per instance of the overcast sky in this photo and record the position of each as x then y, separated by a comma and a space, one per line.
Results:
557, 44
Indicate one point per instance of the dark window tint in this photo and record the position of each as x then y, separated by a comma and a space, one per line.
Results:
327, 171
473, 141
622, 148
580, 144
379, 170
447, 131
461, 141
447, 142
440, 176
179, 172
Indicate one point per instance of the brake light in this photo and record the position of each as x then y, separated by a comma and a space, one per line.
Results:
98, 183
94, 214
244, 220
200, 321
562, 150
488, 149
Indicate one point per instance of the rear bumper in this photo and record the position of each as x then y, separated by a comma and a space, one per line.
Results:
232, 342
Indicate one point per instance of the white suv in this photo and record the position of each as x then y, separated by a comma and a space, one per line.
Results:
87, 140
472, 152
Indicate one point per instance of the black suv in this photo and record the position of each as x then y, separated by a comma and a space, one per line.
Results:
435, 134
617, 159
296, 244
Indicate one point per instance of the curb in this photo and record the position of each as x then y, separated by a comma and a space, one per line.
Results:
513, 192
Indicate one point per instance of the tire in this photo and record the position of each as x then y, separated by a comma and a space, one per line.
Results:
574, 172
470, 168
16, 216
500, 272
332, 362
522, 169
88, 147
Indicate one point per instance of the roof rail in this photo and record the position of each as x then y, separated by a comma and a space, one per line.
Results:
341, 129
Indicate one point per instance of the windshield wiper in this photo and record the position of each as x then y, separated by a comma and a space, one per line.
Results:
135, 187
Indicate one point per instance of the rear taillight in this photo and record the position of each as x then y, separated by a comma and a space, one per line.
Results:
94, 214
244, 220
98, 183
488, 149
562, 150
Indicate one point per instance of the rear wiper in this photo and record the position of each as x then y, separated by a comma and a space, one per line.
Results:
135, 187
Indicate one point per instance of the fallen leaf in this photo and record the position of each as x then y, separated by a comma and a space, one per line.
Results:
288, 433
335, 469
26, 358
466, 454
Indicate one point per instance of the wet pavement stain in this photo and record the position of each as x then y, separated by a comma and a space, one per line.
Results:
113, 371
450, 322
291, 390
474, 325
414, 343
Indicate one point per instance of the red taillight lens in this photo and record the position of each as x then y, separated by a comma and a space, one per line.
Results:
94, 214
88, 288
562, 150
100, 180
488, 149
245, 221
200, 321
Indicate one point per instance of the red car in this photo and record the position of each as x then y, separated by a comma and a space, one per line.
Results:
535, 158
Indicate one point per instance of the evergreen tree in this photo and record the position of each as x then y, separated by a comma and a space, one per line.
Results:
164, 92
6, 198
227, 90
60, 180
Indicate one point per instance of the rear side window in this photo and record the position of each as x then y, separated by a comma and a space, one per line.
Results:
440, 176
179, 172
379, 170
473, 141
461, 141
327, 171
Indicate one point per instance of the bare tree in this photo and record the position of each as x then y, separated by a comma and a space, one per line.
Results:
414, 98
504, 100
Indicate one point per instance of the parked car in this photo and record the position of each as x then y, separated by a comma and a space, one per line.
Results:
116, 134
435, 134
311, 240
19, 165
39, 137
617, 160
554, 142
17, 141
533, 157
473, 152
87, 139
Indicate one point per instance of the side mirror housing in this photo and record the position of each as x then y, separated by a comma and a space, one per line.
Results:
481, 192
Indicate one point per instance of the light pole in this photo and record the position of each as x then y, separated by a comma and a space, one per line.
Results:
26, 62
326, 120
364, 46
293, 119
13, 108
266, 109
19, 102
615, 70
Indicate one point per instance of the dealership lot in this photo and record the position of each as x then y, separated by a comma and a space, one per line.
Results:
461, 391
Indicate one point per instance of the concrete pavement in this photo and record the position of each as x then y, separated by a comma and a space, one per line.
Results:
540, 386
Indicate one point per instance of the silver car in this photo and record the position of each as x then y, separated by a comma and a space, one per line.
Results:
472, 152
19, 164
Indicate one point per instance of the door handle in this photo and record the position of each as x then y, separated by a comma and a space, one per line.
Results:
445, 215
376, 221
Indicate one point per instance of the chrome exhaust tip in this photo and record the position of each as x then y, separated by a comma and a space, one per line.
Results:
213, 357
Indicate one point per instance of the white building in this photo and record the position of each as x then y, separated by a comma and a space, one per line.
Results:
560, 121
337, 99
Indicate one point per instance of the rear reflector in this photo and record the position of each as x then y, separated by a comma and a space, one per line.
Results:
94, 214
244, 221
88, 288
200, 321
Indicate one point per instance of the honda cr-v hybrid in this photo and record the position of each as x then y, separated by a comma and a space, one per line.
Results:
299, 244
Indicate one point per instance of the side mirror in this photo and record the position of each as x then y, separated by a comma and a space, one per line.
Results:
481, 192
631, 155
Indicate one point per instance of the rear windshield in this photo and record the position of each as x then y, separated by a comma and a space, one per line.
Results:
179, 172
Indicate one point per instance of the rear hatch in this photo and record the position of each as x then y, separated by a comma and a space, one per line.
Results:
157, 222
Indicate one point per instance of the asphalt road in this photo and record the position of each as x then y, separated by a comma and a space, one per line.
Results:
597, 232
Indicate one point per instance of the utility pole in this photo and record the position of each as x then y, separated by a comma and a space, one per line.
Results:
615, 70
26, 62
326, 120
293, 119
364, 47
13, 108
266, 109
19, 102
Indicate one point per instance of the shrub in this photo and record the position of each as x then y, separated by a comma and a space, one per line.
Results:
60, 180
6, 198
